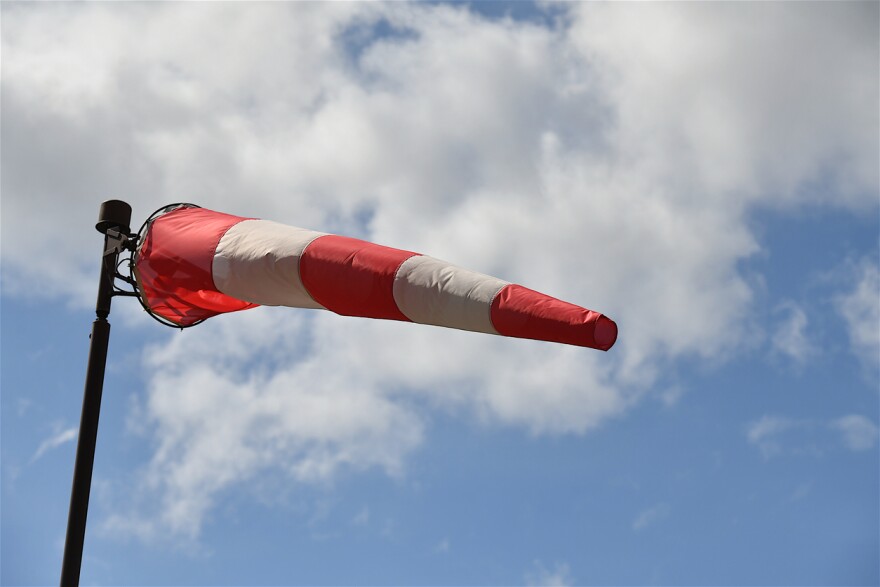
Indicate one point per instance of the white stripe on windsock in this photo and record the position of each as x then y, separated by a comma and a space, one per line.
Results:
431, 291
258, 261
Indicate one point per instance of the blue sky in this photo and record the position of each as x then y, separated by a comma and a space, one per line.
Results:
704, 173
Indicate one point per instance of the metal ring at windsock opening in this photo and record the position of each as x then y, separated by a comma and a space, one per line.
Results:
141, 237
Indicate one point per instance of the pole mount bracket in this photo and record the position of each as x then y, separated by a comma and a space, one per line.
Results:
116, 242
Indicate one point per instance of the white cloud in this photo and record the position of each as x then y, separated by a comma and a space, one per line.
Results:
541, 576
859, 433
860, 307
611, 160
790, 338
723, 97
57, 439
766, 427
777, 436
241, 397
651, 516
765, 433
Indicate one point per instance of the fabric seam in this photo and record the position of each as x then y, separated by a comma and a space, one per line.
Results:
492, 303
394, 280
214, 253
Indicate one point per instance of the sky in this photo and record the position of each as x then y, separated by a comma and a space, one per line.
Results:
706, 174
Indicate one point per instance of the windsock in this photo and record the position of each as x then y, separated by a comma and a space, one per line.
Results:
193, 263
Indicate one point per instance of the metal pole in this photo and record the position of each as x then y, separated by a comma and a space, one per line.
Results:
114, 215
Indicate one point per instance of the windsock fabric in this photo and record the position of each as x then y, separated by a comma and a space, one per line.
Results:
193, 263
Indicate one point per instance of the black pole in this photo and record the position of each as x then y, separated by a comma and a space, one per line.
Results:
115, 215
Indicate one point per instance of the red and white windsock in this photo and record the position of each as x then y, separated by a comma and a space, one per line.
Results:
193, 263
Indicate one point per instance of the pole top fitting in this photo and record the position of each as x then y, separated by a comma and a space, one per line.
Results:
114, 215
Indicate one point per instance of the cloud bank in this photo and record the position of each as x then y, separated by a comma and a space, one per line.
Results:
860, 308
777, 436
611, 156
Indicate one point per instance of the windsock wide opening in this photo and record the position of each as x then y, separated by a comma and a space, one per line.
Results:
173, 262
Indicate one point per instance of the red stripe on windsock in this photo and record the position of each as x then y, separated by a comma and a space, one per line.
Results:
353, 277
174, 265
523, 313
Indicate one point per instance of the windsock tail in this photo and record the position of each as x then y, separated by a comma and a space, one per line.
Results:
523, 313
194, 263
